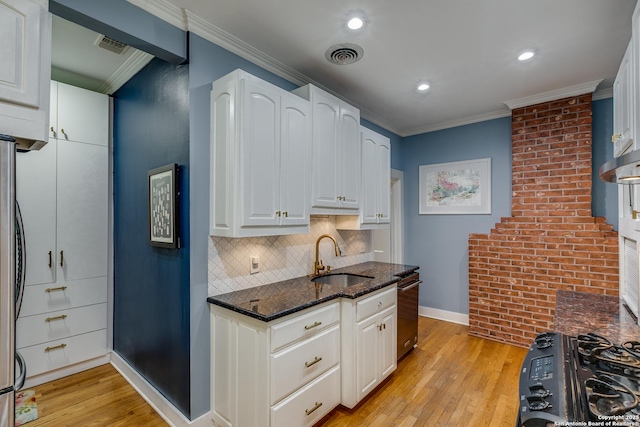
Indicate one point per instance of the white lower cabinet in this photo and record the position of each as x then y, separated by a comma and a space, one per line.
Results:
368, 348
282, 373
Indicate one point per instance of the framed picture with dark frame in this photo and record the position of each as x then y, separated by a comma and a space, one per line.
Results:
163, 207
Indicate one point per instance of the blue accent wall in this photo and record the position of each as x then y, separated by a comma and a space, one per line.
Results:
151, 324
604, 195
439, 243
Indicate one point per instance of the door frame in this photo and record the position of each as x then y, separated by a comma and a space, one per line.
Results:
397, 217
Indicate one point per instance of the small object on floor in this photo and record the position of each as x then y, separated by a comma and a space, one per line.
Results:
26, 407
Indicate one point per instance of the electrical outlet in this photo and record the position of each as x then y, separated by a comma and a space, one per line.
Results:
254, 262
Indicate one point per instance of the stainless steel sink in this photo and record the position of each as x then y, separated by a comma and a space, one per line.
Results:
341, 279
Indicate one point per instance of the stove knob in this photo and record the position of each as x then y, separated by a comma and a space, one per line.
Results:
537, 403
538, 390
544, 340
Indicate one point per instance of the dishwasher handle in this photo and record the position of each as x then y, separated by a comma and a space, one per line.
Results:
410, 286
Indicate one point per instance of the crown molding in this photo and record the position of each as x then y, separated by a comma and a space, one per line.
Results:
498, 114
164, 10
602, 94
552, 95
128, 69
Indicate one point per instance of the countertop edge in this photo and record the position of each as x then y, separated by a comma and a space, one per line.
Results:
338, 295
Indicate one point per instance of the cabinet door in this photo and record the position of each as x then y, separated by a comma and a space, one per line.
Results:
82, 209
326, 120
36, 195
388, 345
623, 105
367, 355
82, 115
20, 26
349, 158
383, 160
295, 161
370, 180
260, 145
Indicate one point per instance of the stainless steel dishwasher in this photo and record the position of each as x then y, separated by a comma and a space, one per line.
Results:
408, 288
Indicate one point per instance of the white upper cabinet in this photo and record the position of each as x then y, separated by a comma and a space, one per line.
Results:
25, 68
78, 115
623, 120
376, 185
260, 157
335, 183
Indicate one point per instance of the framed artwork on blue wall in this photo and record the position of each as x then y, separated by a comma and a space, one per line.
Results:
163, 207
456, 187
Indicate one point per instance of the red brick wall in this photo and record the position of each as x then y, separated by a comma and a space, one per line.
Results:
551, 241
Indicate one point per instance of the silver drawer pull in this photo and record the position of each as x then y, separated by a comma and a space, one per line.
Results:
315, 360
62, 317
61, 288
55, 347
315, 324
312, 410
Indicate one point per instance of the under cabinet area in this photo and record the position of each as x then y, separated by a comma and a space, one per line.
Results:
281, 373
335, 169
260, 158
62, 190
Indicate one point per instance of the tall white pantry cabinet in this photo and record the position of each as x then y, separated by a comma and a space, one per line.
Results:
62, 190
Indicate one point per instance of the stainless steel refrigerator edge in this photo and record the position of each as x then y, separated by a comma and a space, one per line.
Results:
7, 281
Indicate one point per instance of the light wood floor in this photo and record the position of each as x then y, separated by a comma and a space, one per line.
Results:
451, 379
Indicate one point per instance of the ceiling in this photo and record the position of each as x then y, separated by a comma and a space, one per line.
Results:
465, 49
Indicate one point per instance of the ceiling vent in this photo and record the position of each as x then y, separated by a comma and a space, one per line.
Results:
344, 54
110, 44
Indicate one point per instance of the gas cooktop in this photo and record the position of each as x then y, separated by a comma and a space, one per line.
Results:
580, 381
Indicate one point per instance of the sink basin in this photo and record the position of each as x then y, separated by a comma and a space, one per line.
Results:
343, 279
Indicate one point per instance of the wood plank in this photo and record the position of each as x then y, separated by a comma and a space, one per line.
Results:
451, 379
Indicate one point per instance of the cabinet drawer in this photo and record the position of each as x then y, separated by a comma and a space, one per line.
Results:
77, 293
308, 405
64, 352
304, 325
376, 303
304, 361
32, 330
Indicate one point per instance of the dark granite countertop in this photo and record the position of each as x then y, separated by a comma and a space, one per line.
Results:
275, 300
581, 312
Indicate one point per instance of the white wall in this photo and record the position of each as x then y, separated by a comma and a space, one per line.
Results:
281, 257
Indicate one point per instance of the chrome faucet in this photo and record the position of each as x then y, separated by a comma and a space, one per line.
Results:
318, 267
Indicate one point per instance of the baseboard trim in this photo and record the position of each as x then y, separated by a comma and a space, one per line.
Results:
46, 377
158, 402
448, 316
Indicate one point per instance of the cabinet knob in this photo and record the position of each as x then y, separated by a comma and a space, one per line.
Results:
615, 137
61, 317
53, 132
61, 258
312, 410
55, 347
286, 214
278, 213
50, 260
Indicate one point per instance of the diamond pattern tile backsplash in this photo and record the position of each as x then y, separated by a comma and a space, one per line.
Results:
282, 257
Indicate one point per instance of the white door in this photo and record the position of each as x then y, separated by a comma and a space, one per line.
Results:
295, 160
260, 149
388, 344
81, 115
36, 195
370, 180
324, 185
82, 209
20, 52
349, 160
367, 356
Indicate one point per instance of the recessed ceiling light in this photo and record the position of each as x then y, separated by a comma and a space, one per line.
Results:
527, 54
355, 23
423, 86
